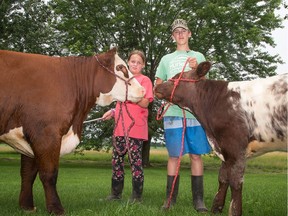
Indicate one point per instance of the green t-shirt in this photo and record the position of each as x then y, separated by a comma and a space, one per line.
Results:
169, 66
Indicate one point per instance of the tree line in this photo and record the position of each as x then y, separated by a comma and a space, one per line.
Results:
231, 34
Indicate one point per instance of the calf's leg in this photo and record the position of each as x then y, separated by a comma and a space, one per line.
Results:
231, 174
28, 174
219, 200
236, 183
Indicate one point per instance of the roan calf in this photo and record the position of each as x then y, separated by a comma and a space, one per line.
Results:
241, 119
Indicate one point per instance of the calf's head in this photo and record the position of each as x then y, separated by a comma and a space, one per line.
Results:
178, 84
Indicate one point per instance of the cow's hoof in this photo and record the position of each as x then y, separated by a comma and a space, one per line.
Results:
57, 212
202, 210
217, 210
29, 211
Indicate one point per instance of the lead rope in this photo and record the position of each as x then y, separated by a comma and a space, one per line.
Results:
126, 133
179, 159
159, 116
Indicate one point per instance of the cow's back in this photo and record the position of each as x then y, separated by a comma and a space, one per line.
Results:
31, 85
27, 69
264, 102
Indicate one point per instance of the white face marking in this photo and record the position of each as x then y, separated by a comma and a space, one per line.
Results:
118, 93
15, 138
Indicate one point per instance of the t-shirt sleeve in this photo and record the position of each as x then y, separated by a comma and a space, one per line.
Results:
161, 71
201, 58
147, 84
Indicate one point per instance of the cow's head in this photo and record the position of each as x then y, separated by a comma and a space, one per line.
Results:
125, 87
164, 90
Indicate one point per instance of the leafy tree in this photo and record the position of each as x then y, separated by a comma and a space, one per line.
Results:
26, 27
231, 34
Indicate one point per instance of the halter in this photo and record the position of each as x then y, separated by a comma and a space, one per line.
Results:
176, 83
127, 82
126, 133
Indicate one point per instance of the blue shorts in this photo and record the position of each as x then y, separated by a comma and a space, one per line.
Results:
195, 140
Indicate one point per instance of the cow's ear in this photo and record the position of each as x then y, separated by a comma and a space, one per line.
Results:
203, 68
113, 50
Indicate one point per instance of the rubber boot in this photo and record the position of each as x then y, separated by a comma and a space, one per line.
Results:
170, 180
116, 190
197, 193
136, 191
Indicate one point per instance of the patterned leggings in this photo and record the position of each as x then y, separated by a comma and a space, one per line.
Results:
134, 149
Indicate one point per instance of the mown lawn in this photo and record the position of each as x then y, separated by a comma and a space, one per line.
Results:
84, 182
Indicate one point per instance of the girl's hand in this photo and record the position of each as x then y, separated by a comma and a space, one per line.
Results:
108, 115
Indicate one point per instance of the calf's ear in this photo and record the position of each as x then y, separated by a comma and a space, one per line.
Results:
203, 68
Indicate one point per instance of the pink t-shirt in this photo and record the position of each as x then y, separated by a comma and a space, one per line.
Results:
139, 115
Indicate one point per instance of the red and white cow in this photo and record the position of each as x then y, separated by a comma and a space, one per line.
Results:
44, 101
241, 119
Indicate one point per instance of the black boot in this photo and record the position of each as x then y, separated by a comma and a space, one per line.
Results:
116, 190
136, 191
197, 193
170, 180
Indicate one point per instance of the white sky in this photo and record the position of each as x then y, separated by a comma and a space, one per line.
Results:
281, 39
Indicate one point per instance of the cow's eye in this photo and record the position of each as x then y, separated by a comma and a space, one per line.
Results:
119, 67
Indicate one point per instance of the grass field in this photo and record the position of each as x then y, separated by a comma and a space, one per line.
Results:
84, 182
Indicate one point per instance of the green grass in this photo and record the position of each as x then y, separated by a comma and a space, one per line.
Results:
84, 182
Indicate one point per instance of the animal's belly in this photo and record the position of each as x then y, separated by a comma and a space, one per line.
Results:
15, 138
256, 148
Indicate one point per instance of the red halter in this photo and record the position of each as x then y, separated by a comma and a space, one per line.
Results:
176, 83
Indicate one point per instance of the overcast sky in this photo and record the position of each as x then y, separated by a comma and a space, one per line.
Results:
281, 39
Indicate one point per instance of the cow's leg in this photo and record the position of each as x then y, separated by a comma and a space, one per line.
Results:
28, 174
219, 200
48, 174
236, 183
47, 152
